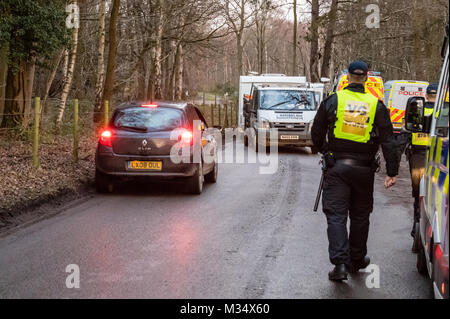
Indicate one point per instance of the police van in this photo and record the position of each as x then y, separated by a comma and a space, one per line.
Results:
275, 101
432, 233
396, 94
374, 84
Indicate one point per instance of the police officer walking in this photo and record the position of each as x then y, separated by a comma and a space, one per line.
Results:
348, 129
416, 153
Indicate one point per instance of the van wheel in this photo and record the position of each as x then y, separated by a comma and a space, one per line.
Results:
103, 183
195, 183
421, 259
211, 177
314, 150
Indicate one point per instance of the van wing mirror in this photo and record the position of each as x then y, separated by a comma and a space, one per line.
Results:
414, 115
248, 108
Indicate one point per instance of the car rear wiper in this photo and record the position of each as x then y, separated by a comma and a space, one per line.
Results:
134, 128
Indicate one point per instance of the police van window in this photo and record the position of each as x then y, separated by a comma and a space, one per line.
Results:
442, 120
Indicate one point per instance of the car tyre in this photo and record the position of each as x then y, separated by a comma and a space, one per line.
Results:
314, 150
421, 259
416, 242
103, 184
195, 184
211, 177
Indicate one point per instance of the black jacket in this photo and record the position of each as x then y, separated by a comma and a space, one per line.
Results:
382, 133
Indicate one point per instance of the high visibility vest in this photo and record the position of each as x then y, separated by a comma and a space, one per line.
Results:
355, 116
421, 139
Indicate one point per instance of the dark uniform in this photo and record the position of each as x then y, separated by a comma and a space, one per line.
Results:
416, 154
348, 184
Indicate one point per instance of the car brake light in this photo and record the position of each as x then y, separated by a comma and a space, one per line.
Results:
151, 106
441, 260
105, 138
185, 138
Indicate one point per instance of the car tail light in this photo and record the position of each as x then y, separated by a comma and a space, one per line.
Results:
186, 138
105, 138
150, 106
441, 260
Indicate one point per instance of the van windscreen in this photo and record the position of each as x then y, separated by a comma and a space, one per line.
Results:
287, 100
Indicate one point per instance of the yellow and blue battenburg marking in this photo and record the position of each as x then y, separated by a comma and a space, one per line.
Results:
437, 180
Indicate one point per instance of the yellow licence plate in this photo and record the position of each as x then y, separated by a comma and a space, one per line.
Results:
145, 165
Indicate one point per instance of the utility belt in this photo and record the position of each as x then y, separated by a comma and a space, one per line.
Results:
332, 159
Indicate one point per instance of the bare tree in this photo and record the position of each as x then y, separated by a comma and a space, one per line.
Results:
100, 62
68, 78
111, 66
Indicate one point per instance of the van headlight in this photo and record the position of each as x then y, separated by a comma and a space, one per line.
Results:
264, 124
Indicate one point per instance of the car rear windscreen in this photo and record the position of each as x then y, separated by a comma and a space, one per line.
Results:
149, 119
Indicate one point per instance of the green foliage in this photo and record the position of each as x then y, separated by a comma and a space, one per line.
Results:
33, 28
223, 88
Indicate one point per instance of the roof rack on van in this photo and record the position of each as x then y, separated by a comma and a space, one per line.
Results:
272, 74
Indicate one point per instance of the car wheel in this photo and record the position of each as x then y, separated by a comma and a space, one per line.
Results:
103, 184
195, 183
421, 259
314, 150
211, 177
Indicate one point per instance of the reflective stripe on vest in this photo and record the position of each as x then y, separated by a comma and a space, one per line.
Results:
355, 116
421, 139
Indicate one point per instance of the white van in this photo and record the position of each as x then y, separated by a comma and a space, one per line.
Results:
288, 104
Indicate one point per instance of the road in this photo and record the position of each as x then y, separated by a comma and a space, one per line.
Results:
248, 236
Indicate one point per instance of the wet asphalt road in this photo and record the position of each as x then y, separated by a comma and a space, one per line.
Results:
248, 236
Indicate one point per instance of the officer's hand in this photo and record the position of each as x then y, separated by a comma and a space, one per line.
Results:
390, 181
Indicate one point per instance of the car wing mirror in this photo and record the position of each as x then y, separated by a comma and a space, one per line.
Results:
414, 115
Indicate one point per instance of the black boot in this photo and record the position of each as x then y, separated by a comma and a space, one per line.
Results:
339, 273
413, 231
355, 267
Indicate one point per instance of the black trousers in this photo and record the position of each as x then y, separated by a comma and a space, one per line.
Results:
417, 169
348, 191
401, 140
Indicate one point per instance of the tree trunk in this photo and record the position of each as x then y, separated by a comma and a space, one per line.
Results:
109, 78
17, 93
294, 42
157, 69
28, 81
98, 106
4, 52
50, 79
68, 79
179, 74
314, 54
239, 51
328, 47
174, 72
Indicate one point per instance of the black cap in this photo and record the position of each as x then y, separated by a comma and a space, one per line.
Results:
358, 68
432, 88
